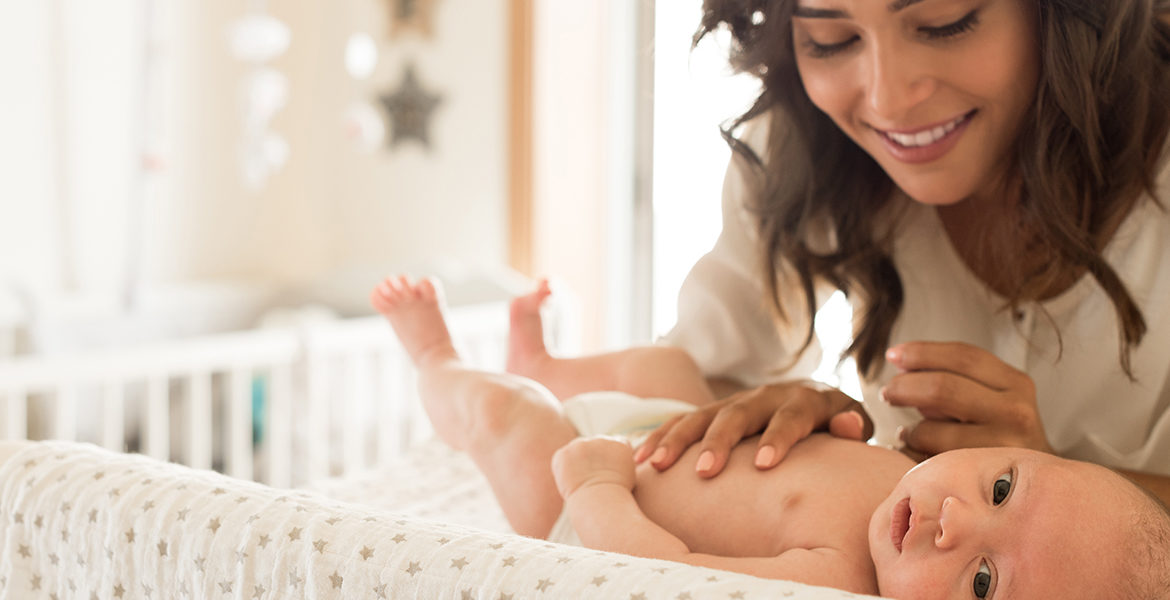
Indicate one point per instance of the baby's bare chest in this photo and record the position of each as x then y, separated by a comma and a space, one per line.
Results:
822, 494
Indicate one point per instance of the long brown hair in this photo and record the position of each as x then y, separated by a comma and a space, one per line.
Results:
1088, 151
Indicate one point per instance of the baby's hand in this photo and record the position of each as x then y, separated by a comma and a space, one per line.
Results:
591, 461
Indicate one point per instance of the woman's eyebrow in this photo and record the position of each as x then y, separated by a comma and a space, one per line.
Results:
807, 12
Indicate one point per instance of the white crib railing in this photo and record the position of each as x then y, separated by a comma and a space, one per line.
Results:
328, 398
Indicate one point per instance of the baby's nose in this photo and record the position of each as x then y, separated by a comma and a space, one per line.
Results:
954, 523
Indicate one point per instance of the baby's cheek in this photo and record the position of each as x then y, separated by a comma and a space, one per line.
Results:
910, 583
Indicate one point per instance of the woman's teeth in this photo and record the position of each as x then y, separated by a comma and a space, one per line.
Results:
925, 138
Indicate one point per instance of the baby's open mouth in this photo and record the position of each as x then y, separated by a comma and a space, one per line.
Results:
900, 522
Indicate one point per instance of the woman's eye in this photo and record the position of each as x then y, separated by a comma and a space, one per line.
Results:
963, 25
982, 583
1001, 488
817, 50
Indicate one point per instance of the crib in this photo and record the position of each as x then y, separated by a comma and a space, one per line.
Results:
281, 406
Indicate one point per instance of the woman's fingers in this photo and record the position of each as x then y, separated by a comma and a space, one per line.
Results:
783, 414
665, 444
848, 425
977, 388
968, 397
933, 437
939, 394
790, 423
963, 359
744, 416
810, 408
1005, 417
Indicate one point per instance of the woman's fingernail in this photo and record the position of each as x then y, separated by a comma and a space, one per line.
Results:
706, 459
765, 456
900, 436
658, 455
640, 454
894, 354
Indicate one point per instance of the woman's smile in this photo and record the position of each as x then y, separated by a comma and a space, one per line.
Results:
925, 144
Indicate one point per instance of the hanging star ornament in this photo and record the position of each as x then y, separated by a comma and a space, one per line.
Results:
410, 108
417, 16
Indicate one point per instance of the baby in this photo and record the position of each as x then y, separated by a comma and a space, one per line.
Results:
981, 523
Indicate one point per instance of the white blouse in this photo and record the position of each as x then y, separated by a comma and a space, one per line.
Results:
1090, 409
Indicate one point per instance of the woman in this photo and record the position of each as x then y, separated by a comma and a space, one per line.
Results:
987, 181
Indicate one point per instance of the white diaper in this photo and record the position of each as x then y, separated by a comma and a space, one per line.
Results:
616, 414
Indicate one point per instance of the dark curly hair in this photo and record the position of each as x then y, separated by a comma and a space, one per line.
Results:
1089, 150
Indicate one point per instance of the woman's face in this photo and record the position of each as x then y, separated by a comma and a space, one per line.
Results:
935, 90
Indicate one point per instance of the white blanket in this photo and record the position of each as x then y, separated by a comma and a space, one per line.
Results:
80, 522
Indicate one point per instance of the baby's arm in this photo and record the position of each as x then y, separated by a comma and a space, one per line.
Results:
596, 477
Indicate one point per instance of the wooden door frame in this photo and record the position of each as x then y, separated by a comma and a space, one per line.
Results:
520, 135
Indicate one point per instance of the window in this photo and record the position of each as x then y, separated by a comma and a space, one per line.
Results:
694, 92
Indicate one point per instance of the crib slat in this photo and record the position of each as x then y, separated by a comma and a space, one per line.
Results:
15, 415
387, 400
239, 424
405, 399
156, 432
113, 417
316, 423
65, 415
357, 402
198, 437
277, 430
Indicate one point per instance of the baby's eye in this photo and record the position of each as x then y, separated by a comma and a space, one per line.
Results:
1001, 488
982, 583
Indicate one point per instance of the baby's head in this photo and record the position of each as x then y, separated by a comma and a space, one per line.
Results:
1001, 523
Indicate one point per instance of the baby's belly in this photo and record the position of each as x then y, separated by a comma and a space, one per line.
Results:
821, 494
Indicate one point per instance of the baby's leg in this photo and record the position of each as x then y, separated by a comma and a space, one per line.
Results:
647, 371
509, 425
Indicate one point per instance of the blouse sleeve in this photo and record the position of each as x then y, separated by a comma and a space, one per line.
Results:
724, 316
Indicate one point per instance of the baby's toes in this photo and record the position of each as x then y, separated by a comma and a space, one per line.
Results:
426, 289
404, 285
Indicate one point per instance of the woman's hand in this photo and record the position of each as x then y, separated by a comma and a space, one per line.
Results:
786, 413
591, 461
968, 396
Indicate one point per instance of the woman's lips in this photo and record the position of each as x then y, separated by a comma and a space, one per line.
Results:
932, 150
900, 523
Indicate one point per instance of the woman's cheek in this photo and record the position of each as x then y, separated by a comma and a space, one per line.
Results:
827, 88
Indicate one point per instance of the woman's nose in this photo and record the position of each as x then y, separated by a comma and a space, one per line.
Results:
897, 83
955, 520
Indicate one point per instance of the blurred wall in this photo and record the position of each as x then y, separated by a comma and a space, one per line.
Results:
70, 72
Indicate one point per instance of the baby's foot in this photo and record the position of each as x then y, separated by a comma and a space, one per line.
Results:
415, 311
526, 332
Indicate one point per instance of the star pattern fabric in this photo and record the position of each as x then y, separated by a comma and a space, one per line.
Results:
68, 536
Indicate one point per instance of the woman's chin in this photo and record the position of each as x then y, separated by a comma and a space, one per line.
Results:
935, 194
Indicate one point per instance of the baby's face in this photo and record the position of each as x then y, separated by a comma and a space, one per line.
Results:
1001, 523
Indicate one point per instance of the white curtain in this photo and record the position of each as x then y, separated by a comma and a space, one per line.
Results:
72, 115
